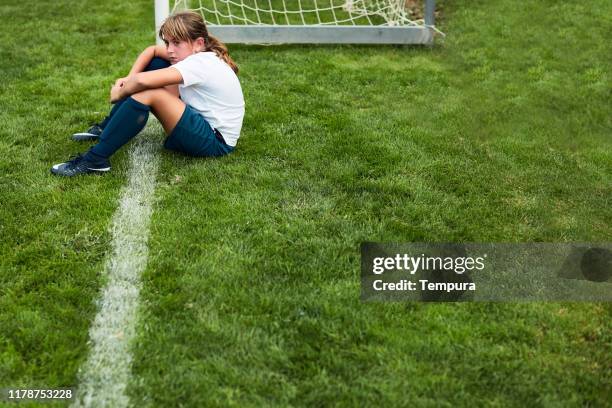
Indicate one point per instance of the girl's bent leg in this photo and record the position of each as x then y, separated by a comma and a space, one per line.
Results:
127, 122
131, 118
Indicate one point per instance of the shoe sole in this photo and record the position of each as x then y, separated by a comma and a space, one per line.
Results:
84, 137
89, 170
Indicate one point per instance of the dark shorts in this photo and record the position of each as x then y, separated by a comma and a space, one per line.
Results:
194, 136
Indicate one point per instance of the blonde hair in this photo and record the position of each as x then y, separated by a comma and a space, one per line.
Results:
189, 26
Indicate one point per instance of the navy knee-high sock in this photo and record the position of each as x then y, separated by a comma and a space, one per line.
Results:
114, 110
127, 122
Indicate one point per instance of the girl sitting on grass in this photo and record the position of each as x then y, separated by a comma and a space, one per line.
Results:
190, 85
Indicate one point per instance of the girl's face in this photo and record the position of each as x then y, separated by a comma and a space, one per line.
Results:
179, 50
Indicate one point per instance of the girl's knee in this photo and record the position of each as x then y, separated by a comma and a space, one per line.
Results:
145, 97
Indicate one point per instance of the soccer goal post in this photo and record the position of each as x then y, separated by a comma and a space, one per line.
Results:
312, 21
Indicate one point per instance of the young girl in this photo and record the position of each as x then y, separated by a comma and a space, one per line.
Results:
190, 85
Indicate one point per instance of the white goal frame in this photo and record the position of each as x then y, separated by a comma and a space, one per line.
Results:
317, 34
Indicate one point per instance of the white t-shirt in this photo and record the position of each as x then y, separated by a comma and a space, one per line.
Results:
212, 88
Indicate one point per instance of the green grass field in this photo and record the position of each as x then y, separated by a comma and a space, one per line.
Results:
499, 133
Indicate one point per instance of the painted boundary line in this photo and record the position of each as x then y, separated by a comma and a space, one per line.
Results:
106, 373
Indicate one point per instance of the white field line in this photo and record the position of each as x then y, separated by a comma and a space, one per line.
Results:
106, 373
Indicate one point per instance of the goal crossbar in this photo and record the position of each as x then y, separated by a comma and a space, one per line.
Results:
277, 34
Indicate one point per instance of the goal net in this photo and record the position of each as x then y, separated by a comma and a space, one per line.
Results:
316, 21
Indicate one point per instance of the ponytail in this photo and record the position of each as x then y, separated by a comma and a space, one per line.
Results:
215, 45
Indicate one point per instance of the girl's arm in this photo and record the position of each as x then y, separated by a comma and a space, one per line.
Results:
143, 60
146, 80
146, 56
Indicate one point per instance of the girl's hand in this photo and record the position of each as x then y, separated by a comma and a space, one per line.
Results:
115, 93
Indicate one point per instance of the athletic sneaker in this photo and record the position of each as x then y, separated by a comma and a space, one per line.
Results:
93, 133
80, 165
